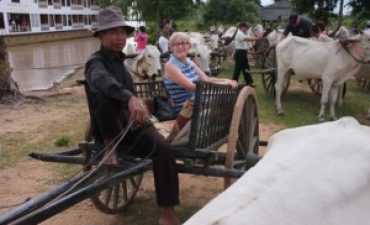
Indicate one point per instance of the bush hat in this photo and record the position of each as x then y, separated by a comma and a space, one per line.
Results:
111, 17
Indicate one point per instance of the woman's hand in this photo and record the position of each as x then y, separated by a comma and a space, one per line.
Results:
138, 112
233, 84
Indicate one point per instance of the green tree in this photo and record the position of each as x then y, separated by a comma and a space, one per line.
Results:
232, 11
317, 9
360, 9
125, 5
158, 10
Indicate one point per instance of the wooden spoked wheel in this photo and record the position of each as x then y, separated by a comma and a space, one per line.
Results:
117, 198
215, 65
316, 87
269, 79
244, 132
364, 83
260, 48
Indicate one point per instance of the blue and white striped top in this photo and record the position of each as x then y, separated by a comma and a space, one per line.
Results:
177, 93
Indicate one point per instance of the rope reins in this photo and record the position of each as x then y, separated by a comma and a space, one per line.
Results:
358, 52
115, 142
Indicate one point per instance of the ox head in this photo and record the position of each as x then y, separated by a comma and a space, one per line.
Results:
360, 46
148, 61
202, 54
342, 34
274, 37
257, 30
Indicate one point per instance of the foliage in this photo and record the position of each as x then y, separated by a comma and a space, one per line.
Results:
360, 10
317, 9
221, 12
158, 10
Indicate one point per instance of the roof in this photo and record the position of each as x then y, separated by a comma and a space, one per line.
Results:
277, 11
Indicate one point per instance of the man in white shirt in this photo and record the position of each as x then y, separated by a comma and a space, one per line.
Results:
163, 39
240, 55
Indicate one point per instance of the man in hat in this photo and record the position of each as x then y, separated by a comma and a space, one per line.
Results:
299, 26
240, 54
114, 106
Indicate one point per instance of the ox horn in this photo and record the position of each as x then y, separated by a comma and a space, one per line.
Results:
348, 40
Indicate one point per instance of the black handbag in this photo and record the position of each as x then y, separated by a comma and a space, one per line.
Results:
163, 109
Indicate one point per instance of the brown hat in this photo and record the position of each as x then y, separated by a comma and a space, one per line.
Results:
111, 17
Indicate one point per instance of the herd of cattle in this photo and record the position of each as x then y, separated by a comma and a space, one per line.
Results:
333, 62
316, 174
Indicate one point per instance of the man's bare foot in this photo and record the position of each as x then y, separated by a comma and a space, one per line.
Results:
111, 159
169, 217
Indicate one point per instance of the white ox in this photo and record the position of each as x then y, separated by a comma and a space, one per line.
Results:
311, 175
201, 52
328, 61
145, 65
275, 36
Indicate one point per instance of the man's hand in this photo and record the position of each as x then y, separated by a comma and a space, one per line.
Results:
138, 112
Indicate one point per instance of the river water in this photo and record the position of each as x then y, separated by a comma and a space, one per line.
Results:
38, 66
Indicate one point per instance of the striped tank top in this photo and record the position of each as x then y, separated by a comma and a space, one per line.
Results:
177, 93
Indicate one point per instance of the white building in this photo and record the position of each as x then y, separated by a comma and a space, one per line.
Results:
30, 16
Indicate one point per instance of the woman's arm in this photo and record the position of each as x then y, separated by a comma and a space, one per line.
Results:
233, 84
178, 77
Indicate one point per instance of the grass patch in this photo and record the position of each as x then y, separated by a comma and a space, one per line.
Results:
63, 140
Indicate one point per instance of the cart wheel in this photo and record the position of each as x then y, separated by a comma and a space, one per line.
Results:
364, 83
260, 47
117, 198
243, 134
316, 87
269, 79
215, 64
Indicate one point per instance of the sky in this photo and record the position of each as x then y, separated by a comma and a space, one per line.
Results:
345, 10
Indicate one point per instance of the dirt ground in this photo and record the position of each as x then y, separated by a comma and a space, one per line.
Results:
29, 177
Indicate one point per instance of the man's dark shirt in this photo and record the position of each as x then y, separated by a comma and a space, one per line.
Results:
105, 73
302, 30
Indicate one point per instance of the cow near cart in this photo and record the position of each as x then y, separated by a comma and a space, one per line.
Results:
332, 62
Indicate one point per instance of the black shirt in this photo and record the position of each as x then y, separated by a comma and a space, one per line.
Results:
105, 73
302, 30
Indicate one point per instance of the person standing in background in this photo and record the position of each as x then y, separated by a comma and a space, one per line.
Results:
299, 26
240, 54
141, 38
163, 39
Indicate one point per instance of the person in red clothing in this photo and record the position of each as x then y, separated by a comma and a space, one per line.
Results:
141, 38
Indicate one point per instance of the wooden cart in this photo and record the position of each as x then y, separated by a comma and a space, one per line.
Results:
221, 116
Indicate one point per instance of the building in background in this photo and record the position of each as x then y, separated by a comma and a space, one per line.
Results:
275, 13
25, 18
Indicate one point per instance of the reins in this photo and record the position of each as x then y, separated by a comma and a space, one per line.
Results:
358, 52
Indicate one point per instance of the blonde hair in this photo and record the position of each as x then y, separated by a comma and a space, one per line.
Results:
179, 36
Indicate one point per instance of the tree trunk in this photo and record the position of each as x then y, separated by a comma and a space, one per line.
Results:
9, 91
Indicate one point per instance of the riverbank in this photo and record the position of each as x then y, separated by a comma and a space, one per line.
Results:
18, 39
